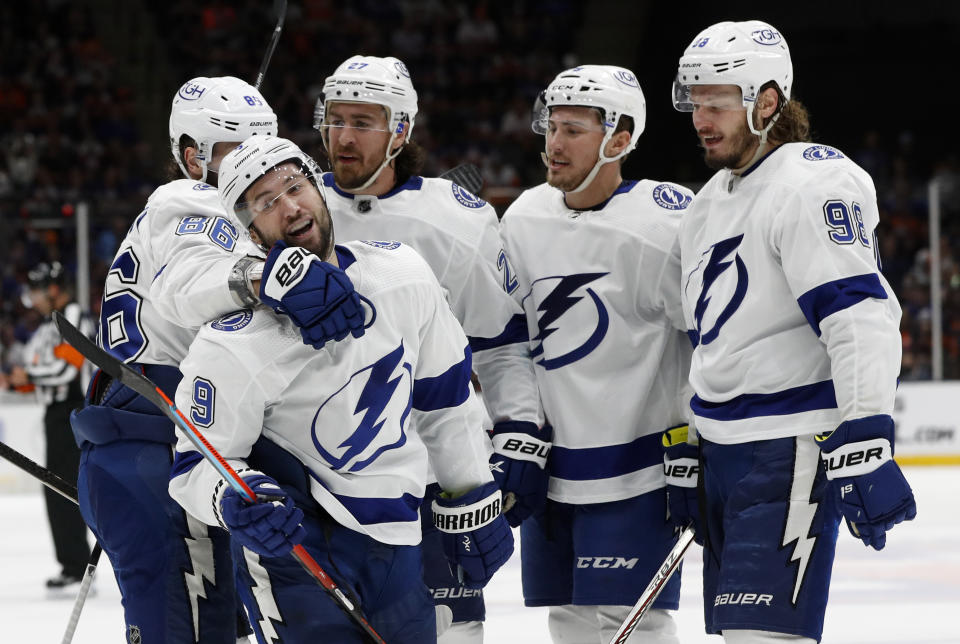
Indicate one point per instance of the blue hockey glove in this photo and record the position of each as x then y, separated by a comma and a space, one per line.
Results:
270, 528
518, 465
477, 539
874, 495
316, 295
681, 467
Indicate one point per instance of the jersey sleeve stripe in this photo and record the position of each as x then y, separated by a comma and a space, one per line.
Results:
592, 463
826, 299
183, 462
819, 395
449, 389
514, 332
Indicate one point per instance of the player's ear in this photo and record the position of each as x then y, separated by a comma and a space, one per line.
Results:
617, 143
255, 235
767, 103
191, 162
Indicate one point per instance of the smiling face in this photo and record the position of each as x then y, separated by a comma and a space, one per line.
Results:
721, 123
286, 205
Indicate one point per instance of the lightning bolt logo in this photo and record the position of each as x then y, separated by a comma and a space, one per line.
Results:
800, 512
555, 305
200, 551
377, 394
263, 595
715, 267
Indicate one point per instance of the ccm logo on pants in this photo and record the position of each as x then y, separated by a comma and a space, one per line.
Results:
606, 562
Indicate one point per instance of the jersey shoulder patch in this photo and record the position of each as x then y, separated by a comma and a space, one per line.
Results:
386, 245
822, 153
233, 321
671, 197
466, 198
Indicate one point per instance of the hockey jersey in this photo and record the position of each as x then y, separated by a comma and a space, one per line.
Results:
361, 415
795, 327
600, 289
456, 233
170, 274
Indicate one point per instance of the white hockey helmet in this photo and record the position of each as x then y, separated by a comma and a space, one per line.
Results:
747, 54
613, 91
253, 159
374, 80
215, 110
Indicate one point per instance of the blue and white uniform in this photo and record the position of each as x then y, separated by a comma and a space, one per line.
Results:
349, 432
600, 291
796, 330
174, 572
456, 233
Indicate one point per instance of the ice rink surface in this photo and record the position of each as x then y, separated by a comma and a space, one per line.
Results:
908, 593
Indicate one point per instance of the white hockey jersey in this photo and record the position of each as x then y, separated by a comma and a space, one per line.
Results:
348, 411
170, 274
456, 233
795, 328
600, 289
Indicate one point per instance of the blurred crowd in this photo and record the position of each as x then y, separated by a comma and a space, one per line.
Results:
69, 132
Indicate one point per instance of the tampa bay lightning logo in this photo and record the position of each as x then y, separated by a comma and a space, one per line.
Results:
582, 330
191, 91
203, 186
721, 290
383, 392
400, 67
466, 198
670, 197
821, 153
386, 245
233, 321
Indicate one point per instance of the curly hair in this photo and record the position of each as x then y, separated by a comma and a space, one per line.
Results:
793, 124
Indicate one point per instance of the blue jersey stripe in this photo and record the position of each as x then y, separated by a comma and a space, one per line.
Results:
449, 389
515, 331
371, 510
593, 463
183, 462
827, 299
819, 395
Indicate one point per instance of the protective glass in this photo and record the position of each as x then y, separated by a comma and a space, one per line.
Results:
714, 97
259, 201
540, 117
325, 125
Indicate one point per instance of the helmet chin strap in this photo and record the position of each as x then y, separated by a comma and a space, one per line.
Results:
763, 140
387, 158
601, 160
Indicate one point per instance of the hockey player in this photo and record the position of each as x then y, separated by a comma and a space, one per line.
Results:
57, 373
366, 116
797, 343
345, 433
591, 255
182, 262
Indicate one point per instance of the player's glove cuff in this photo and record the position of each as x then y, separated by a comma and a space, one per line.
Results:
522, 441
857, 447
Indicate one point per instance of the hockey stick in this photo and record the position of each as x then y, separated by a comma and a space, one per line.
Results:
68, 492
282, 4
82, 594
466, 175
142, 385
39, 472
667, 568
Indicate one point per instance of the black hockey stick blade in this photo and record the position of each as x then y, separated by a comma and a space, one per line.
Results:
142, 385
466, 175
281, 7
652, 591
37, 471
